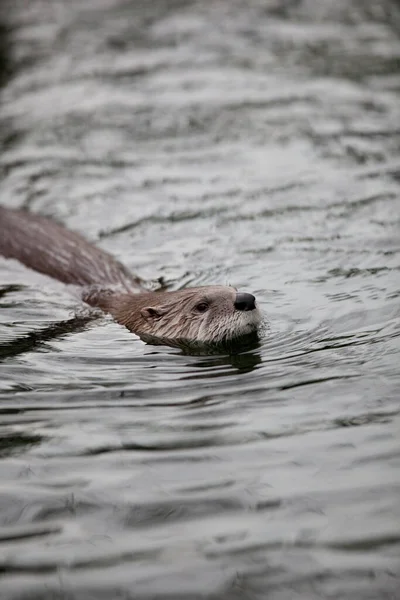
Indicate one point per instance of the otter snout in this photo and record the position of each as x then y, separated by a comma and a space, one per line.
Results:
245, 301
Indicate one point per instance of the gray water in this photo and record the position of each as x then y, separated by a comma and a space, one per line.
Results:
254, 143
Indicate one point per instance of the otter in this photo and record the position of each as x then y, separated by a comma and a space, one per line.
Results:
213, 315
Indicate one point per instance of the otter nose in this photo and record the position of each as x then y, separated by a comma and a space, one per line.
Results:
245, 301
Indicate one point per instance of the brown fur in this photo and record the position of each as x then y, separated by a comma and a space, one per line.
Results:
202, 315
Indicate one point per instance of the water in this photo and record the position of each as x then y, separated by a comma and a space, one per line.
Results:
252, 143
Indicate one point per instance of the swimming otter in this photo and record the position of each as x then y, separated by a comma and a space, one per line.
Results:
193, 316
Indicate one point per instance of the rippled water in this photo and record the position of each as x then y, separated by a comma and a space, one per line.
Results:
246, 142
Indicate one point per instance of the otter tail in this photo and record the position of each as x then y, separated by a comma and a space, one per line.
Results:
48, 248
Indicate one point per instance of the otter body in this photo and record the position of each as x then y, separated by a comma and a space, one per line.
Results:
201, 315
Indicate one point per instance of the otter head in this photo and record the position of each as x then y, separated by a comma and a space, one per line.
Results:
202, 315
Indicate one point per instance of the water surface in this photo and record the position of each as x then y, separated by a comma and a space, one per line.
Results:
254, 143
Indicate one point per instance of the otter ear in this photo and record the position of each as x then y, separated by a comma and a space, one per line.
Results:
150, 313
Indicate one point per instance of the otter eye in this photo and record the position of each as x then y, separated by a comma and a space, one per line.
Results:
201, 307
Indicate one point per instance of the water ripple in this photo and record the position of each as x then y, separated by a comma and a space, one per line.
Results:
250, 143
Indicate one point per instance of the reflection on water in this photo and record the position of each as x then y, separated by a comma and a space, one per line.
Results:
251, 143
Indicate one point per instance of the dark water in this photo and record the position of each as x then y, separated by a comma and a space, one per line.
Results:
245, 142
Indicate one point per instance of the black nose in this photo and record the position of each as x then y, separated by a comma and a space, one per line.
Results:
245, 301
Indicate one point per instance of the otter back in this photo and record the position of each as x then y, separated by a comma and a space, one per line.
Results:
48, 248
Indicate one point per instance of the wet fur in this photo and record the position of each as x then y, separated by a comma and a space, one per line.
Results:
170, 317
173, 312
